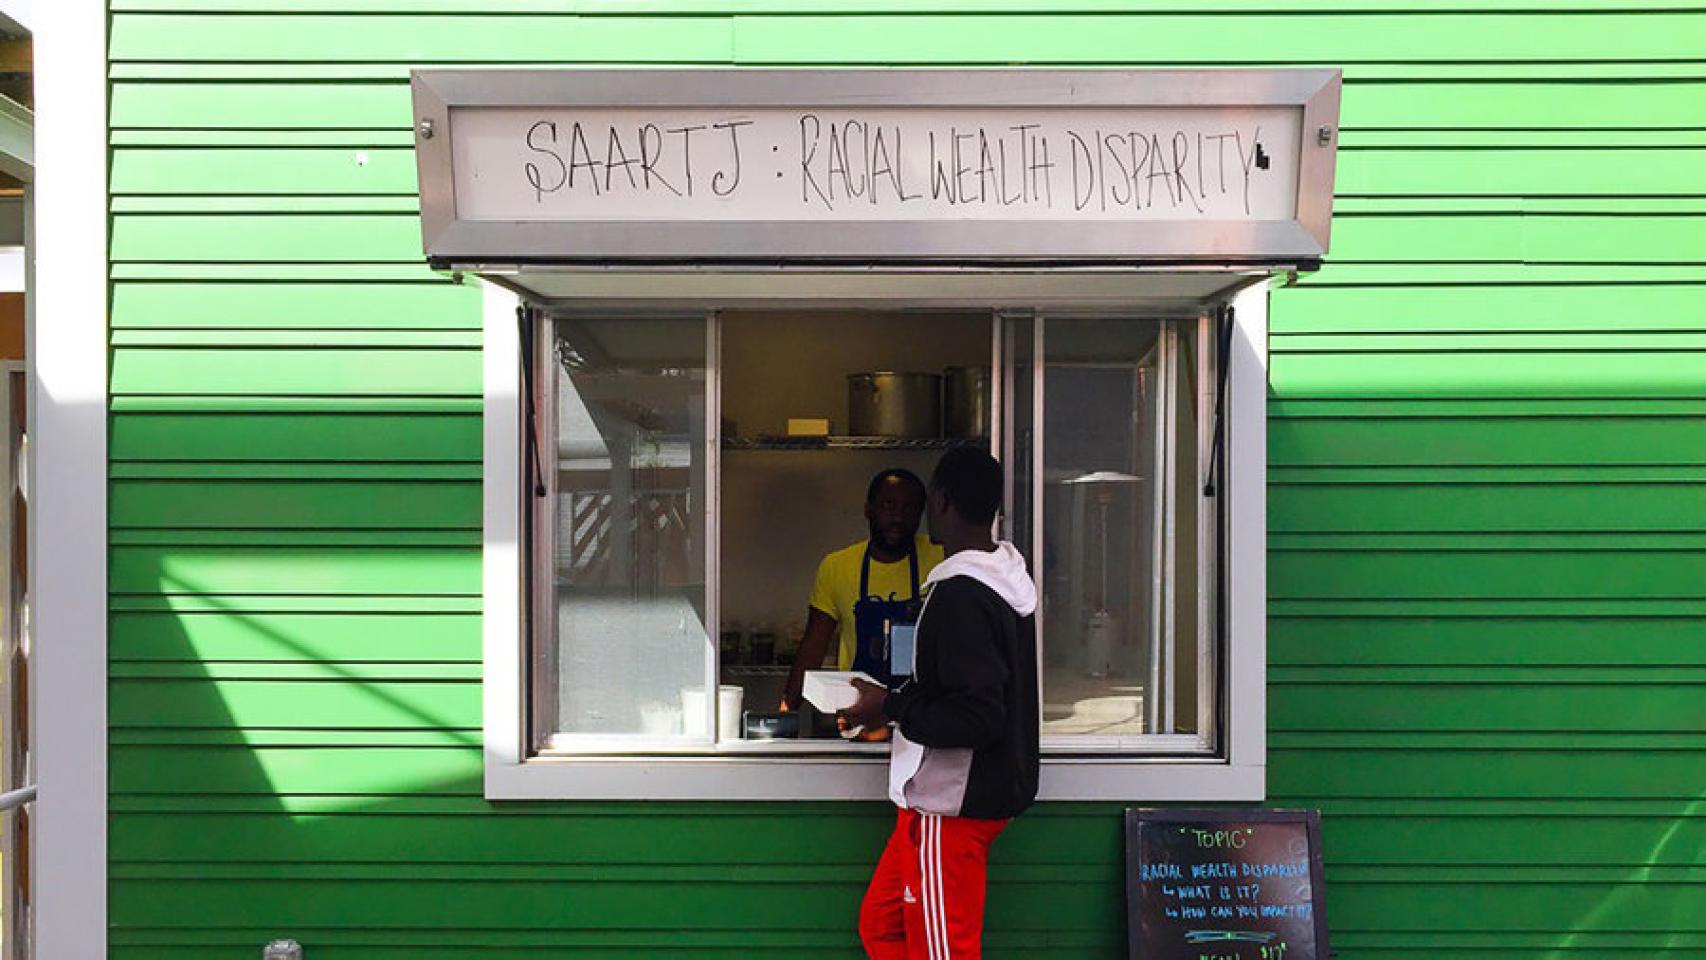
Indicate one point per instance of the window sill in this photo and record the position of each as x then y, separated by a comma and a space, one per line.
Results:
736, 777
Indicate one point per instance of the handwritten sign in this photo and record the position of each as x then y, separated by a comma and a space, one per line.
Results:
1225, 885
1159, 163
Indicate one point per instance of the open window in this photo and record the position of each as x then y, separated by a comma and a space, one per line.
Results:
669, 526
679, 526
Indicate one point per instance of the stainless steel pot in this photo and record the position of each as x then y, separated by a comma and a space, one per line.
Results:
888, 404
966, 401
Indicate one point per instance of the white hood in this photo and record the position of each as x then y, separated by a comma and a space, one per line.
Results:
1002, 570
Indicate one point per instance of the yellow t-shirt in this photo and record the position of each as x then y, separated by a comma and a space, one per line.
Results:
836, 588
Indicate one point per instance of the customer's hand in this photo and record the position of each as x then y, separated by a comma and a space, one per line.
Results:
867, 711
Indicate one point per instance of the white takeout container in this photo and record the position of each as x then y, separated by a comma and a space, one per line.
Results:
831, 690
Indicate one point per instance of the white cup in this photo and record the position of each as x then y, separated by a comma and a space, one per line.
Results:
729, 700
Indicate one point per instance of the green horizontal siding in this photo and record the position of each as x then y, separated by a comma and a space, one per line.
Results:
1487, 628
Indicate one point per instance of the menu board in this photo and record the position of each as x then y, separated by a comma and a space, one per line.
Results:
1225, 885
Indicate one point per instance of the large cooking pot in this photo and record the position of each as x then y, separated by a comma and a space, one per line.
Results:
966, 401
888, 404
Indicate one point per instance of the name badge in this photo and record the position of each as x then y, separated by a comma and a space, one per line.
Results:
902, 643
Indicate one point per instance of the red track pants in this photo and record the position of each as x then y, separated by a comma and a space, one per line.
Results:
925, 901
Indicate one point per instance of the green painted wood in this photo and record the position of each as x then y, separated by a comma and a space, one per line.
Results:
295, 570
1354, 70
293, 470
1488, 705
295, 338
197, 640
1539, 507
1038, 38
294, 505
1590, 441
760, 838
242, 605
322, 108
1482, 309
177, 371
351, 701
1461, 373
1445, 574
354, 772
1485, 618
250, 437
1386, 643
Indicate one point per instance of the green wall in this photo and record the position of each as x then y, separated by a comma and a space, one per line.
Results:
1488, 501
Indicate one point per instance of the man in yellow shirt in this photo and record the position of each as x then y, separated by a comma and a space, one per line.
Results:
863, 589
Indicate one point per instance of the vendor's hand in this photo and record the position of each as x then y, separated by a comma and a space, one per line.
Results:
867, 711
792, 691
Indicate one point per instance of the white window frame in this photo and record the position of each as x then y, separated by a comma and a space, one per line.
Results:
66, 355
512, 772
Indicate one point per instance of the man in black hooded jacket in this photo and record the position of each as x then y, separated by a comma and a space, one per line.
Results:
965, 756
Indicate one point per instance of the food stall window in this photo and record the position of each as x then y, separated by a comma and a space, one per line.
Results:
642, 471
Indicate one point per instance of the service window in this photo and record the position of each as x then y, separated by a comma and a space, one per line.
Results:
677, 523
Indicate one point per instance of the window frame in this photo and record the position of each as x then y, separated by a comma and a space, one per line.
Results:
514, 769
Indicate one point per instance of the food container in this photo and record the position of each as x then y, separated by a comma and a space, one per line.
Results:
832, 690
966, 401
888, 404
729, 699
770, 725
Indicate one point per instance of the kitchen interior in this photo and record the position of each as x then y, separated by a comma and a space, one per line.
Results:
812, 405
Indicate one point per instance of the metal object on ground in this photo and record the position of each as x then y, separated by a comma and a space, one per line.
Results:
889, 404
282, 950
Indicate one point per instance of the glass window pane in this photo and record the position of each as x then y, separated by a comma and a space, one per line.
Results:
629, 564
1101, 558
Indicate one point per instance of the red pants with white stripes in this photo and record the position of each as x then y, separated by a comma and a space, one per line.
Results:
925, 901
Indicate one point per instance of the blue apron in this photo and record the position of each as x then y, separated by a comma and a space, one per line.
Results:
883, 627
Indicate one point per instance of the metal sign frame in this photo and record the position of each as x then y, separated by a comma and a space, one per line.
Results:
453, 242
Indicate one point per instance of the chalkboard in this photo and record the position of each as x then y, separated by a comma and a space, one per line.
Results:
1225, 885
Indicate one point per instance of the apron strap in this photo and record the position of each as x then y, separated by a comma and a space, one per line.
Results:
865, 571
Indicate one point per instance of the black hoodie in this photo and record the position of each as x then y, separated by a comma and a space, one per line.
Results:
969, 718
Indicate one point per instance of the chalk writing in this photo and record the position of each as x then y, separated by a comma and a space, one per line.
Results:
1216, 887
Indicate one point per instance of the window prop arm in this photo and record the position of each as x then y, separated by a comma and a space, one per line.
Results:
1226, 323
524, 324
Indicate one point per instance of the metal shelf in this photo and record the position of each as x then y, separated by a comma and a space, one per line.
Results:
851, 443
